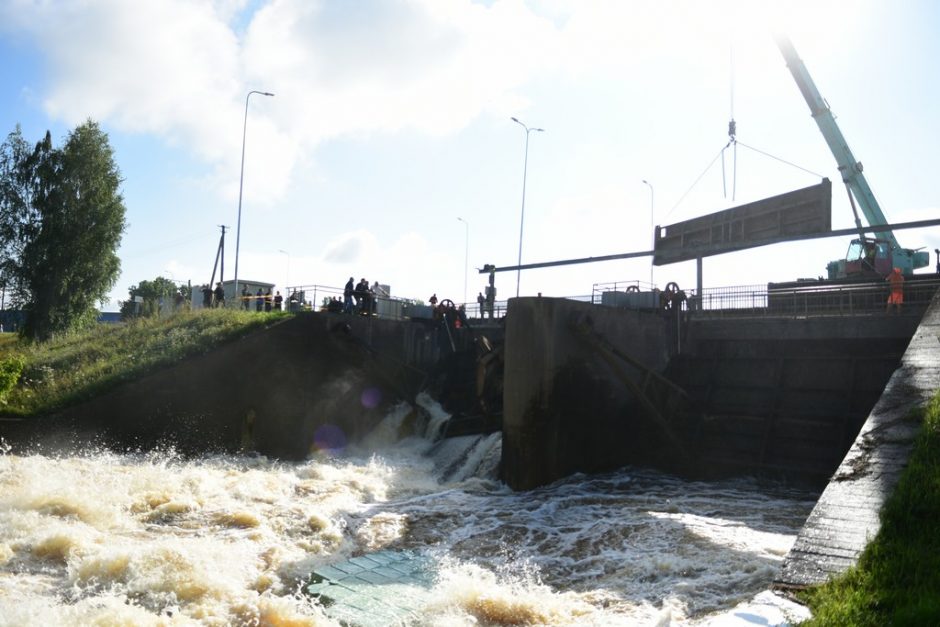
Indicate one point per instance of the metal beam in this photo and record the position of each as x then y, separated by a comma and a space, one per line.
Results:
918, 224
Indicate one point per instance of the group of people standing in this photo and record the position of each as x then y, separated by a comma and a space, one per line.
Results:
263, 301
361, 297
213, 297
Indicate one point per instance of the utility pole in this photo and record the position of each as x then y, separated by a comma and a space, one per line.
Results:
219, 255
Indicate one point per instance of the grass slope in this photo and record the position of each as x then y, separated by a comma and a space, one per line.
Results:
81, 365
897, 579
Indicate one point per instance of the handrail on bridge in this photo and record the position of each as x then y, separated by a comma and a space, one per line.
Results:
782, 299
811, 298
390, 307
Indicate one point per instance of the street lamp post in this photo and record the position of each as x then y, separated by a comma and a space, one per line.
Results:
287, 279
466, 256
241, 181
652, 228
525, 168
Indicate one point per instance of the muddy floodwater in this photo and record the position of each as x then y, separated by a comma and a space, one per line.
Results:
95, 537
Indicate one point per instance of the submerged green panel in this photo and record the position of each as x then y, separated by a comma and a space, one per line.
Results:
377, 589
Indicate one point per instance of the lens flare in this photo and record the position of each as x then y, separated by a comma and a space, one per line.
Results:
370, 398
329, 438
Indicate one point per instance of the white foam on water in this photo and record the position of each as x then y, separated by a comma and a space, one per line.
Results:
156, 539
437, 416
480, 459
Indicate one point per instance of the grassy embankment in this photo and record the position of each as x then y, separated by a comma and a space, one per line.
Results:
39, 378
897, 579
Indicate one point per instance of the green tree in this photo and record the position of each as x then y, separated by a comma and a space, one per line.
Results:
152, 293
62, 218
18, 217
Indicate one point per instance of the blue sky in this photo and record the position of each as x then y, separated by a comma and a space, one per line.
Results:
391, 119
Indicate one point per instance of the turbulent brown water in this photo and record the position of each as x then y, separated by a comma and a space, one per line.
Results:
154, 539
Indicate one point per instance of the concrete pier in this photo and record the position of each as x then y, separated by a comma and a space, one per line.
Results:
564, 409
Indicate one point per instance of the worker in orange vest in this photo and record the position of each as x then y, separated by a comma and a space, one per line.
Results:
896, 297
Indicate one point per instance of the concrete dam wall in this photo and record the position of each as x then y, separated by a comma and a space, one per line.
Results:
594, 388
785, 397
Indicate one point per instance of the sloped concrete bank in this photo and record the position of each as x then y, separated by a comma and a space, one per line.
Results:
314, 380
846, 516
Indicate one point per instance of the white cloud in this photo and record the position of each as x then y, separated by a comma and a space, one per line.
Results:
348, 248
410, 263
179, 69
385, 66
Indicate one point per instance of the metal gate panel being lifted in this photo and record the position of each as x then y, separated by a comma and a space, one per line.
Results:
778, 219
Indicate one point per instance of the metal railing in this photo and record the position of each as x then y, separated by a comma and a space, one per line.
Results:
789, 300
317, 297
811, 299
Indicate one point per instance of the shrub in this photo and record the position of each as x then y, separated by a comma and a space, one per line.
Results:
10, 370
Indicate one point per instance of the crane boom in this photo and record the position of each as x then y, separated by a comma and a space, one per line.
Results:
850, 168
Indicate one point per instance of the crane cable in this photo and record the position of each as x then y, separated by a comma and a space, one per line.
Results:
732, 139
733, 144
784, 161
694, 183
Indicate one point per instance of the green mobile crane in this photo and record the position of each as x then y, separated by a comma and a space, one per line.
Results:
867, 256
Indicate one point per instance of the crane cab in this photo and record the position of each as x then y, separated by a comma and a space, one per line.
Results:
866, 258
875, 258
869, 257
